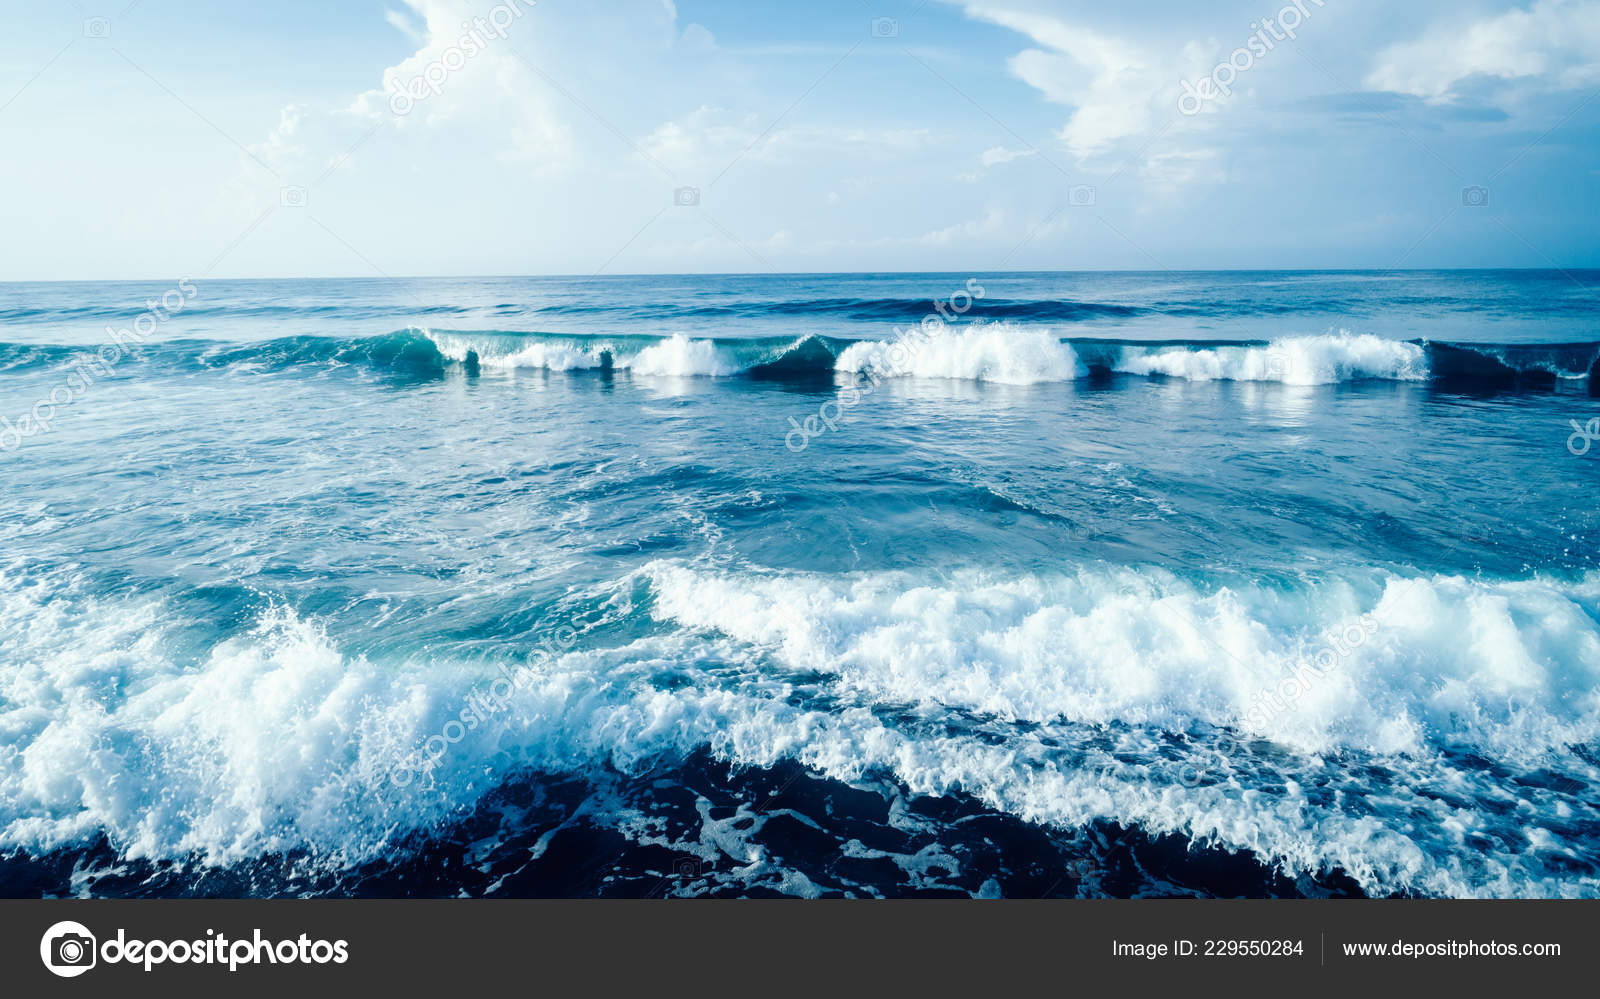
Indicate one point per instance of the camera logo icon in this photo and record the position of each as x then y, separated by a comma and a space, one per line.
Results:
292, 196
68, 949
1475, 196
97, 27
1080, 196
1276, 367
885, 27
400, 102
686, 197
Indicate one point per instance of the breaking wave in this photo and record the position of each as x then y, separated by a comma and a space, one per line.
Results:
984, 352
1310, 360
1443, 748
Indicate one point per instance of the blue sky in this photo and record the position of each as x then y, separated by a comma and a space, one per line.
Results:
161, 139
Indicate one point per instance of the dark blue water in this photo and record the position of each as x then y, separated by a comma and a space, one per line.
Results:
1084, 584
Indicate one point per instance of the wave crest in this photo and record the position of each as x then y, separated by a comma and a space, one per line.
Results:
1308, 360
984, 352
989, 352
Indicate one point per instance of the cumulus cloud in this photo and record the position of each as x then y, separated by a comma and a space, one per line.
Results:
1122, 93
1107, 80
467, 70
1553, 42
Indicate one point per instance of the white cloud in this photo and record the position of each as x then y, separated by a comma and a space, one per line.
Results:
1556, 42
698, 38
1120, 91
997, 156
1167, 172
402, 23
1000, 154
972, 232
692, 143
707, 139
477, 77
1107, 80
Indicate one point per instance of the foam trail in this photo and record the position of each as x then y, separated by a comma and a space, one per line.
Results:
989, 352
1307, 360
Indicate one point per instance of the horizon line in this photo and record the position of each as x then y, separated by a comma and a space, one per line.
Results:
860, 273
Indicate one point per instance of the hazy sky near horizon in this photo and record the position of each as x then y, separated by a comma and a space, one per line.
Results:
160, 139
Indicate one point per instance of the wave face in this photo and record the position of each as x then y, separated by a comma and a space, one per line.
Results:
1063, 699
675, 356
1001, 353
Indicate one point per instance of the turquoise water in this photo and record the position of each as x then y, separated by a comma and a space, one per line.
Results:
1118, 584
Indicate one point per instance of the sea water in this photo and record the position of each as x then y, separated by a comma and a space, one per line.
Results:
976, 584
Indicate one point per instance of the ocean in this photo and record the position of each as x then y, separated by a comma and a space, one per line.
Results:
980, 585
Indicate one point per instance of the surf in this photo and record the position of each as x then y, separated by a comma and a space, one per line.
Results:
1065, 699
981, 352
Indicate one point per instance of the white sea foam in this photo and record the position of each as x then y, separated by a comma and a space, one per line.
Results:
548, 356
274, 739
1302, 360
1449, 667
680, 356
499, 352
673, 356
988, 352
1510, 669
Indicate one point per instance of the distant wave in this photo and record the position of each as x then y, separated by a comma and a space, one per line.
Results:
1237, 305
858, 309
999, 352
122, 314
914, 309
